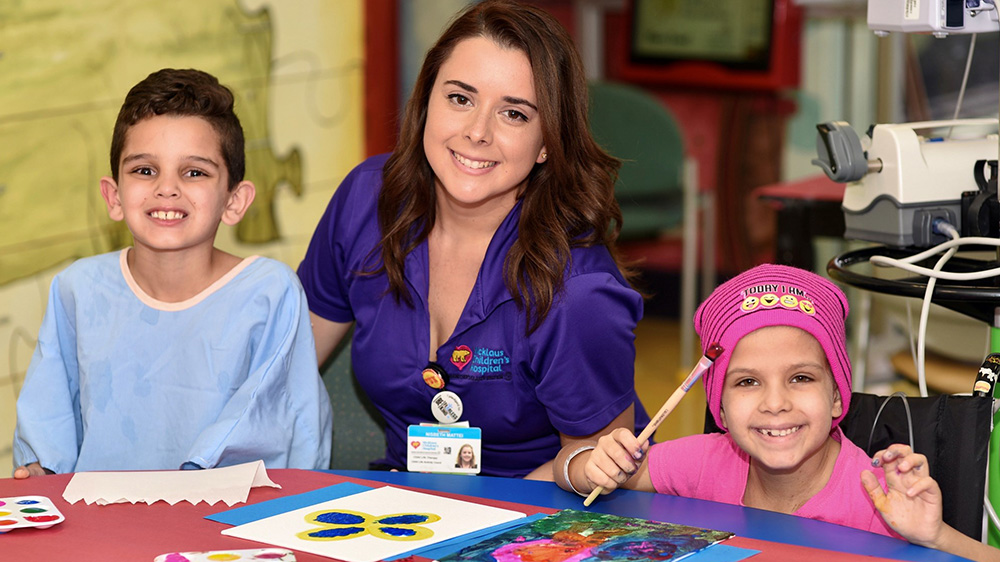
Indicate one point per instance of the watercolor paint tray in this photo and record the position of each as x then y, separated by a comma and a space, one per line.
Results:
22, 512
246, 555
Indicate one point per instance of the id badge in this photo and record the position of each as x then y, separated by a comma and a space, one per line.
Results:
443, 448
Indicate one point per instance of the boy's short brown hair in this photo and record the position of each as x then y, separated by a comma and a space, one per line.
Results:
187, 92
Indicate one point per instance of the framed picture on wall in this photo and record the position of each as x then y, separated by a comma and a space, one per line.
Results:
727, 44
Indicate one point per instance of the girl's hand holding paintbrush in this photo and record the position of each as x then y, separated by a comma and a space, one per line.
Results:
618, 456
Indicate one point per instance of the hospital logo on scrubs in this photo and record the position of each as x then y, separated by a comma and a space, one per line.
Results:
490, 360
461, 356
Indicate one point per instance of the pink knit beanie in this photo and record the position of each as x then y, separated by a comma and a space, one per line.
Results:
773, 295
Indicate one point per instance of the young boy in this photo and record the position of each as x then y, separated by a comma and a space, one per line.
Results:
172, 353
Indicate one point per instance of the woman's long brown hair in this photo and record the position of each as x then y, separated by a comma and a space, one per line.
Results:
569, 199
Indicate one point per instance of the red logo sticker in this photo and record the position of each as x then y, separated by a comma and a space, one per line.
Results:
461, 356
414, 444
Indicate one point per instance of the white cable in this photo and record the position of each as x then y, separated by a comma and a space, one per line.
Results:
946, 275
980, 240
906, 264
910, 331
922, 329
965, 80
933, 275
925, 308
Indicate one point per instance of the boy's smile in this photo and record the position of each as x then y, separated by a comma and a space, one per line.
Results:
779, 401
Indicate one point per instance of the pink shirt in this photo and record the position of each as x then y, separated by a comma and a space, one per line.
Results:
716, 469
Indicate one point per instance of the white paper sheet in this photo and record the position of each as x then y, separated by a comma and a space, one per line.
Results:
456, 518
230, 484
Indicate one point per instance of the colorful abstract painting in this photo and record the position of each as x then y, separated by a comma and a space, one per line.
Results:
583, 536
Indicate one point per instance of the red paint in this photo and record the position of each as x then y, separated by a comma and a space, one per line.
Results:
42, 518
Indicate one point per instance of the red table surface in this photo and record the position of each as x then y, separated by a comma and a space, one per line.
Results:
141, 532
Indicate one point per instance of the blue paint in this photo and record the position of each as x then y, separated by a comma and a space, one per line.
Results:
649, 548
408, 519
27, 502
398, 531
333, 533
338, 518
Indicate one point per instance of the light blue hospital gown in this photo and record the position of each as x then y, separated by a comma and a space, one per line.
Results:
121, 381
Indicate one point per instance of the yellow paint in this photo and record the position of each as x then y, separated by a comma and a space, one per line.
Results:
372, 525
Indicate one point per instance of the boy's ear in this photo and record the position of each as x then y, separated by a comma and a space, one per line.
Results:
240, 199
109, 191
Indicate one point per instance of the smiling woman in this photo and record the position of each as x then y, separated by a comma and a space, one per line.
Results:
491, 228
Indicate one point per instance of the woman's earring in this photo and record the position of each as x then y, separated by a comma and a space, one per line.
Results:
545, 155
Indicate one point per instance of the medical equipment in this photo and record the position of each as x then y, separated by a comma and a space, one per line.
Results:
938, 17
905, 176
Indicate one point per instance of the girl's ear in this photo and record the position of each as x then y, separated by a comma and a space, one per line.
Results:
722, 418
838, 405
109, 191
240, 199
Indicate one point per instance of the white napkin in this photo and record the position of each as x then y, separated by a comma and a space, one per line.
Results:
230, 484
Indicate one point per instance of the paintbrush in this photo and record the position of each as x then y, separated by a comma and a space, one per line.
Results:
706, 361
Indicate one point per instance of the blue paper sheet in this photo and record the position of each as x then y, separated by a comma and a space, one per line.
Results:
254, 512
722, 553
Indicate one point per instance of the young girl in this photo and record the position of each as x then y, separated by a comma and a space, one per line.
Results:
779, 389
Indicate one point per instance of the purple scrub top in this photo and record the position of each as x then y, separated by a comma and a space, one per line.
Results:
573, 375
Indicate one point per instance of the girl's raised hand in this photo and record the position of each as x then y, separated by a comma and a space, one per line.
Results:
911, 502
911, 505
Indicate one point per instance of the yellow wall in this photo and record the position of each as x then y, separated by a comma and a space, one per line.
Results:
296, 69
